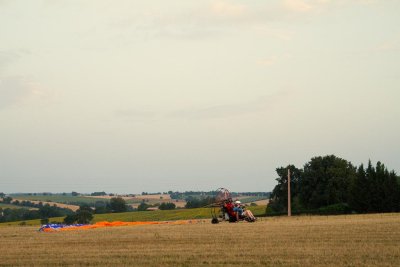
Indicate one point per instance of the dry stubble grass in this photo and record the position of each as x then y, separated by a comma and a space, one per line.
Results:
359, 240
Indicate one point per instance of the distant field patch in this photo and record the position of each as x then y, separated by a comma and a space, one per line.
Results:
160, 196
263, 202
246, 199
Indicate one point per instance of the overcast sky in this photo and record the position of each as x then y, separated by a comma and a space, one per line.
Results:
132, 96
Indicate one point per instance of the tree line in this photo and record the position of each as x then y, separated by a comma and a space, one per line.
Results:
203, 194
331, 184
40, 211
198, 202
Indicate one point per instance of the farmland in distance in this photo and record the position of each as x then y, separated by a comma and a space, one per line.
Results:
157, 215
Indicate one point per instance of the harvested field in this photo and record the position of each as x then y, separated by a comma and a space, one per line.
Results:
109, 197
357, 240
163, 196
263, 202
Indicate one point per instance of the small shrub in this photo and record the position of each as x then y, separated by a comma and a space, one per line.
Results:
83, 216
339, 208
143, 206
70, 219
167, 206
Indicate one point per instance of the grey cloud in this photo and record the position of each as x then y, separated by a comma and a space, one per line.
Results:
9, 56
6, 57
134, 114
163, 26
232, 110
212, 112
261, 104
12, 90
4, 2
212, 20
388, 45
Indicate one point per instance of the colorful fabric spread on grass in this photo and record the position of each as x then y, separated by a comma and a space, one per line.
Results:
64, 227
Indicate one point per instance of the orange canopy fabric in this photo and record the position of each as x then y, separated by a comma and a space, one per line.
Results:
113, 224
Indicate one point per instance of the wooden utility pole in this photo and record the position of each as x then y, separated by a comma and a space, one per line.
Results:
289, 208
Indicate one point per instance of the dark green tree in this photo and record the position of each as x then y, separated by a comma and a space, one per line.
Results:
85, 206
143, 206
44, 221
383, 189
102, 207
83, 216
167, 206
198, 202
394, 184
358, 199
117, 204
7, 200
98, 193
331, 185
279, 196
70, 219
326, 181
47, 211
